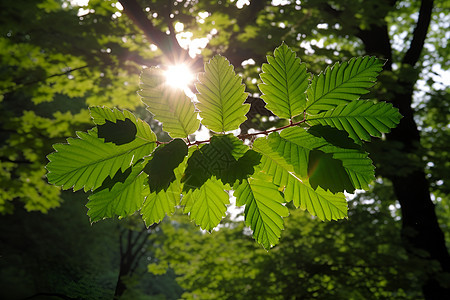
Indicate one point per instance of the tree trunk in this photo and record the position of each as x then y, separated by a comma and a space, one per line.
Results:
421, 233
420, 227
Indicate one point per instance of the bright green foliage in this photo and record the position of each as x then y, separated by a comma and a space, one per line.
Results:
310, 162
285, 82
221, 96
361, 119
87, 161
207, 204
264, 208
353, 160
118, 198
170, 106
323, 204
342, 83
162, 202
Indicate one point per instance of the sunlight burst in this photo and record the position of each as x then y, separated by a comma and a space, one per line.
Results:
179, 76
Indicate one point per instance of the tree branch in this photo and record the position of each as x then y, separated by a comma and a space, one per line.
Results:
248, 135
420, 32
20, 85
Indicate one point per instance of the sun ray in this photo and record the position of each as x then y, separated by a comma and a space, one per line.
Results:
179, 76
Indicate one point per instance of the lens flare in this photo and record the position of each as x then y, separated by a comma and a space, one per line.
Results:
179, 76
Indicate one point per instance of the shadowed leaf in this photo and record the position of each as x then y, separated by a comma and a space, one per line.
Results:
226, 157
161, 167
327, 172
109, 182
119, 133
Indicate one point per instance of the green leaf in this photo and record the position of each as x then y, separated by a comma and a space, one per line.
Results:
263, 209
221, 96
284, 83
164, 160
103, 116
160, 203
206, 205
119, 133
361, 119
342, 83
169, 105
226, 157
355, 169
87, 161
124, 198
323, 204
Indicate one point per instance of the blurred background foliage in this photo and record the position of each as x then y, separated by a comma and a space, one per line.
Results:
59, 57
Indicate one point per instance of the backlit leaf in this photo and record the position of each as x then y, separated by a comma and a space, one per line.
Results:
87, 161
263, 209
221, 96
360, 118
124, 198
169, 105
323, 204
284, 83
335, 167
342, 83
160, 203
207, 204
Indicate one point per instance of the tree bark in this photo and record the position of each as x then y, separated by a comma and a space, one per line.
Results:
421, 233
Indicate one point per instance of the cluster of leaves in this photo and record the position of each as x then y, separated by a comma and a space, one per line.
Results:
311, 161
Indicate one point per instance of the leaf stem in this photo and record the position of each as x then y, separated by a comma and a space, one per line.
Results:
246, 135
266, 132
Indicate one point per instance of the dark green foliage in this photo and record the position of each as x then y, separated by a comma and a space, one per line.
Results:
121, 132
327, 172
225, 157
165, 159
109, 182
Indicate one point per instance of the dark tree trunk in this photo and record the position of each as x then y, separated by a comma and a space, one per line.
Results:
132, 249
420, 227
421, 233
